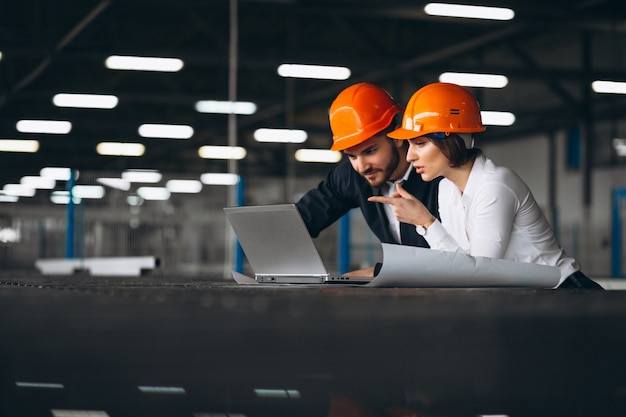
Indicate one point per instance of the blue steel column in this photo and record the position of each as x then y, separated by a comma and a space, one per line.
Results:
616, 252
344, 243
239, 256
69, 240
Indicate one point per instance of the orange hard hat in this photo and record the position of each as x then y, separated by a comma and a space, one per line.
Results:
358, 113
440, 108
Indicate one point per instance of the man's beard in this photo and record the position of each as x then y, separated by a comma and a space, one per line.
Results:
388, 169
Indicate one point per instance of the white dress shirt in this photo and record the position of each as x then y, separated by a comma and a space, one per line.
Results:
389, 189
497, 217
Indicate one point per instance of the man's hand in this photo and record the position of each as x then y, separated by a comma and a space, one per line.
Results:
405, 206
365, 272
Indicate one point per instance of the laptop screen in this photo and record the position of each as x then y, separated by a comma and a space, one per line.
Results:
275, 240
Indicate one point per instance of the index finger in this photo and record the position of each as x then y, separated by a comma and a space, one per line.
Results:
381, 199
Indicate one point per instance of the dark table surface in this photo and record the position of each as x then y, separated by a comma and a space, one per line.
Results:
218, 349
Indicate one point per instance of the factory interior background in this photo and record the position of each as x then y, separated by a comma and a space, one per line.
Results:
563, 136
126, 127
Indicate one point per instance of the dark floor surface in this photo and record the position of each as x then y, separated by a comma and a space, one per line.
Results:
219, 349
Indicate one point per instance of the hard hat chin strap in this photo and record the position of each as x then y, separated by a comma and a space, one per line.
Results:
468, 138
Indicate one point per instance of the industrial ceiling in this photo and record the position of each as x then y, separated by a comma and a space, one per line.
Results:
551, 52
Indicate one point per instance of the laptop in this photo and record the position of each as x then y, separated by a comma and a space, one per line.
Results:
278, 246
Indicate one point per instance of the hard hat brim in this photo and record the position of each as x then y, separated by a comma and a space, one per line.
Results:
404, 134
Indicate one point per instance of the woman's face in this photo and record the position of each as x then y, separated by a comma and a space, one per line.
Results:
427, 158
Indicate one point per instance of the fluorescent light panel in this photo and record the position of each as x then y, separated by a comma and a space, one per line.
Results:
19, 145
619, 145
88, 191
497, 118
8, 198
219, 179
57, 173
184, 186
117, 183
221, 152
38, 183
63, 197
165, 131
226, 107
85, 101
470, 12
153, 193
148, 176
57, 127
18, 190
318, 72
138, 63
280, 135
318, 155
609, 87
120, 149
474, 80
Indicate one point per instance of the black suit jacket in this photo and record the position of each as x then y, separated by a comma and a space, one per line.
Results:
344, 189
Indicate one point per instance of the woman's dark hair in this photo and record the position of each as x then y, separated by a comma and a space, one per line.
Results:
453, 148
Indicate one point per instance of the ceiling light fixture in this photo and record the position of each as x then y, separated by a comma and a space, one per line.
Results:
225, 107
57, 173
88, 191
474, 80
497, 118
18, 145
153, 193
619, 145
18, 190
148, 176
85, 101
318, 72
184, 186
280, 135
470, 12
219, 179
609, 87
38, 183
57, 127
165, 131
8, 198
117, 183
62, 197
138, 63
222, 152
318, 155
120, 149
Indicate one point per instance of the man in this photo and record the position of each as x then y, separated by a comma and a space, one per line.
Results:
360, 118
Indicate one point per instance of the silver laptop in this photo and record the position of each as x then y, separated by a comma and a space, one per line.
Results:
278, 246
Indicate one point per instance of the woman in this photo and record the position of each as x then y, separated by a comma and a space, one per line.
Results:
484, 210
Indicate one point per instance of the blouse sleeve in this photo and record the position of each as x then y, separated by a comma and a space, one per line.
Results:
490, 220
489, 224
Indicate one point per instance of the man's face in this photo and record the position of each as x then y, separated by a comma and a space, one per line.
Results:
377, 159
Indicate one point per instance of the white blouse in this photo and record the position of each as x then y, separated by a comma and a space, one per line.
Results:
497, 217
